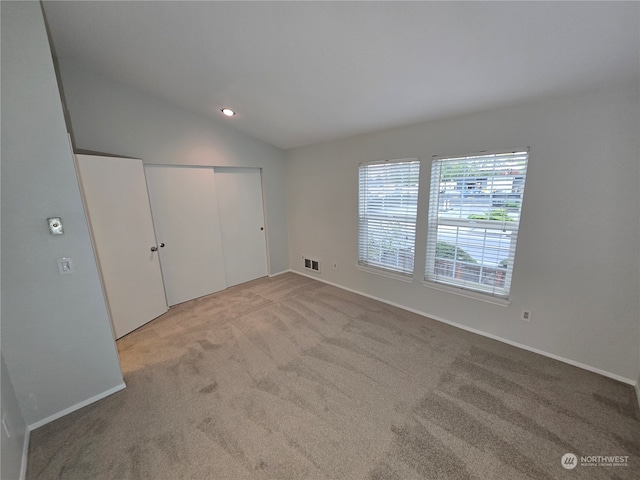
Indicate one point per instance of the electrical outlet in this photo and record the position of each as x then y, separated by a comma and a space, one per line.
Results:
335, 265
526, 315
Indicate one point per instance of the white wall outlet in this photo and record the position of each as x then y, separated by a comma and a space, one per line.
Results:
526, 315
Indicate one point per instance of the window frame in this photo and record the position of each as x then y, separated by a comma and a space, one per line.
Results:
379, 267
492, 227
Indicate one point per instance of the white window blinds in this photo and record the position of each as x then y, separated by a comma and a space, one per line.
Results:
474, 216
388, 205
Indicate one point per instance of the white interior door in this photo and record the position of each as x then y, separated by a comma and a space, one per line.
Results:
241, 209
185, 214
117, 205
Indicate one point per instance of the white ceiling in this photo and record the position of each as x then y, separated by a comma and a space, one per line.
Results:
304, 72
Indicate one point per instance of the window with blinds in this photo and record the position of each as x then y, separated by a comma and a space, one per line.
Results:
474, 216
388, 203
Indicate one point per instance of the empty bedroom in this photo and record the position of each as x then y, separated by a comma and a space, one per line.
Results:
320, 240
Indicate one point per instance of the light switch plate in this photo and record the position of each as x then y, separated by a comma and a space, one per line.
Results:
65, 266
55, 226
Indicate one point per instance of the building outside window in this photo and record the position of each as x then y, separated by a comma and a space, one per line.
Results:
474, 216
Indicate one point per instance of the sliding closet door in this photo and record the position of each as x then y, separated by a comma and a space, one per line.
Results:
242, 223
117, 205
185, 214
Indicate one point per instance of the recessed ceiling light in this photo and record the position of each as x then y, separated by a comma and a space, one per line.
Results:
228, 112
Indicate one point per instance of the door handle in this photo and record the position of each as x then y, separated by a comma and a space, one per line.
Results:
261, 228
154, 248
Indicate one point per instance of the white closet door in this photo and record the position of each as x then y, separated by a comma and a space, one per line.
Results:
117, 205
242, 223
185, 214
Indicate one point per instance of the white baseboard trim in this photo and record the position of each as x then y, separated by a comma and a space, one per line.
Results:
279, 273
25, 454
77, 406
485, 334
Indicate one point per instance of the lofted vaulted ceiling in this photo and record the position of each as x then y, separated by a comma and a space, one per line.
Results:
299, 73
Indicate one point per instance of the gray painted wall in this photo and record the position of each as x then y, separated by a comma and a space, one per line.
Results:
11, 446
111, 117
56, 336
577, 265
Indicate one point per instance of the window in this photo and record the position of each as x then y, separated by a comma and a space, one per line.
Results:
388, 205
474, 215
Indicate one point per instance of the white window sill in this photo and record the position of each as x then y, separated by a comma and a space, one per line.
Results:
483, 297
385, 273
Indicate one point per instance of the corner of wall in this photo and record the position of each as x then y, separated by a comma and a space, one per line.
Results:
15, 433
72, 355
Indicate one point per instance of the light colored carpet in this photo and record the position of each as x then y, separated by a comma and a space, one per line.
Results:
289, 378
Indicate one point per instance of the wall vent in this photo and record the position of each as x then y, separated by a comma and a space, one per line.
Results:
311, 264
